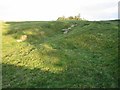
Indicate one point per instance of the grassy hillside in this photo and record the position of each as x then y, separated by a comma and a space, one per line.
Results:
87, 56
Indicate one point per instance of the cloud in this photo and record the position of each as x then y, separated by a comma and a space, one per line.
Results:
101, 11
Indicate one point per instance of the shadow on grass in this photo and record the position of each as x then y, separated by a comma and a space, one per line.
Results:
22, 77
83, 77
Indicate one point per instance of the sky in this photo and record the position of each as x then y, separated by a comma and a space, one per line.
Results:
47, 10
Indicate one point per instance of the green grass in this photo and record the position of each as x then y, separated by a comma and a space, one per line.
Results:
85, 57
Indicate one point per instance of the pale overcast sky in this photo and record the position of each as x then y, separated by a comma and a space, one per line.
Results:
45, 10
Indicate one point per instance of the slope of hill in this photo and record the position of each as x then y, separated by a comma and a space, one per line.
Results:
87, 56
